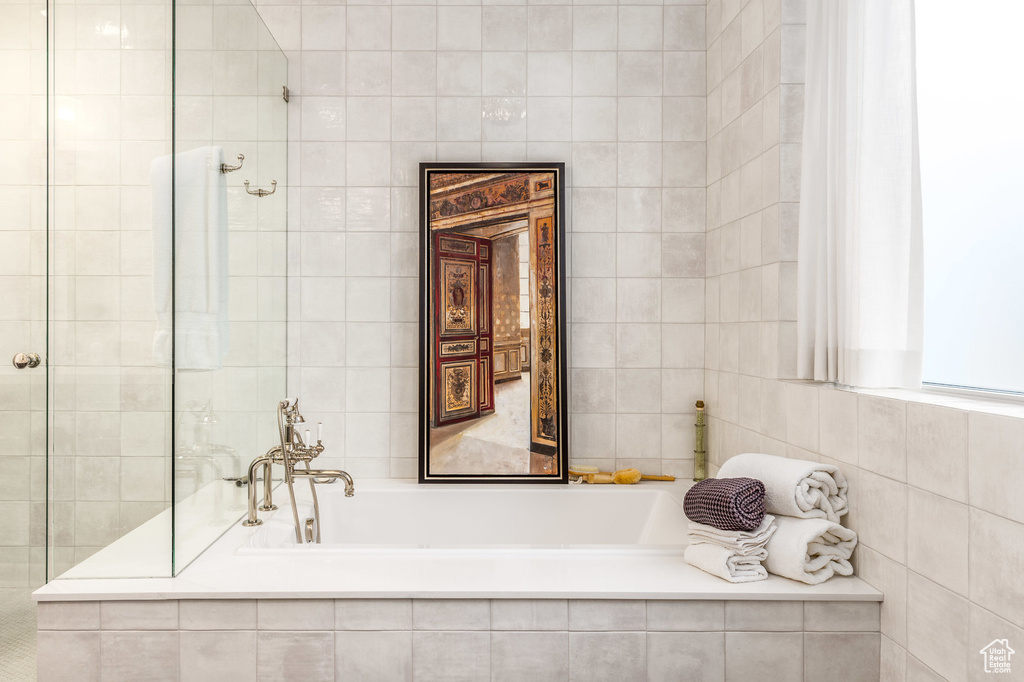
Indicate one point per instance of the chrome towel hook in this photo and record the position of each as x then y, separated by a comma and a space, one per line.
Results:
224, 168
260, 192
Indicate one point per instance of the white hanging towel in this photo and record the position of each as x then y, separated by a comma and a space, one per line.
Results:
810, 550
199, 316
793, 487
725, 563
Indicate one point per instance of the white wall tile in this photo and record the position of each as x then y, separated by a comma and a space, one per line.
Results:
685, 656
890, 578
139, 615
309, 655
995, 466
594, 28
764, 615
882, 515
212, 656
504, 28
444, 656
295, 614
384, 656
852, 656
537, 656
79, 656
882, 442
937, 533
776, 656
373, 614
529, 614
459, 28
207, 614
937, 622
607, 656
120, 659
451, 614
996, 552
598, 615
68, 615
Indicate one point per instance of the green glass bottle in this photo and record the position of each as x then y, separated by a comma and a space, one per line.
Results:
700, 455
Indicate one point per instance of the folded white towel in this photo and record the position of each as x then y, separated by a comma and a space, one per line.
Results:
725, 563
810, 550
740, 542
793, 487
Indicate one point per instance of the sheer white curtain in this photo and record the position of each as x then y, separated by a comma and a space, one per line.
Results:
860, 273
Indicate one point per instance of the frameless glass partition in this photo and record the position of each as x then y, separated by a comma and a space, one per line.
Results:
110, 408
161, 279
230, 266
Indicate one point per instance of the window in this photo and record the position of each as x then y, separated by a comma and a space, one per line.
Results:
972, 176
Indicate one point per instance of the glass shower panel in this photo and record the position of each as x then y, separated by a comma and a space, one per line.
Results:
230, 268
110, 133
23, 313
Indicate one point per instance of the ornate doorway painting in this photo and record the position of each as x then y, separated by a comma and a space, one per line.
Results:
492, 347
464, 380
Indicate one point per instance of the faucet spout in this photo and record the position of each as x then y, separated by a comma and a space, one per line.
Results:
251, 518
350, 488
328, 476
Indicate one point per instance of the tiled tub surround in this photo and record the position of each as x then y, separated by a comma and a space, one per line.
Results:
934, 483
585, 613
380, 640
616, 92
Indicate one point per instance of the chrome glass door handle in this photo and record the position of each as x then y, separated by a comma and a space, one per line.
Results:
23, 360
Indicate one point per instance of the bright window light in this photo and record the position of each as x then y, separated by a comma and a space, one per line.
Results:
972, 177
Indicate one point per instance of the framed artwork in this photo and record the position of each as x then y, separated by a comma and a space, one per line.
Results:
493, 393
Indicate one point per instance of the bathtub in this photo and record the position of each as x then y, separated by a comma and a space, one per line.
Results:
399, 517
396, 539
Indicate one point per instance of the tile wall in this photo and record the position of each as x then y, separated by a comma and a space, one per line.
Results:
468, 639
934, 489
616, 92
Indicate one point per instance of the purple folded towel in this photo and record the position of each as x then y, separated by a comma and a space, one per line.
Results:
726, 503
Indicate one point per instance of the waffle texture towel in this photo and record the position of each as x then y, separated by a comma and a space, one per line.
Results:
793, 487
726, 503
810, 550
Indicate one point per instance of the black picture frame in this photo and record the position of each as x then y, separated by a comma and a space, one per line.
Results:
456, 203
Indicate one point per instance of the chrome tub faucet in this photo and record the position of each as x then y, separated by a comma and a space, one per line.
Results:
292, 452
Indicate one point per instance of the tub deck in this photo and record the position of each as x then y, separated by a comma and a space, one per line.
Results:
238, 566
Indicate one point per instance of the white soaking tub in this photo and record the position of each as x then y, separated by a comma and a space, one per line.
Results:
396, 539
395, 517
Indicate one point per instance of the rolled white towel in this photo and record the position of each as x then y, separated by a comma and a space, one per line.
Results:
725, 563
793, 487
810, 550
740, 542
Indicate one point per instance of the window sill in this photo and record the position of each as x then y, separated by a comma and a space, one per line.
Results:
951, 398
